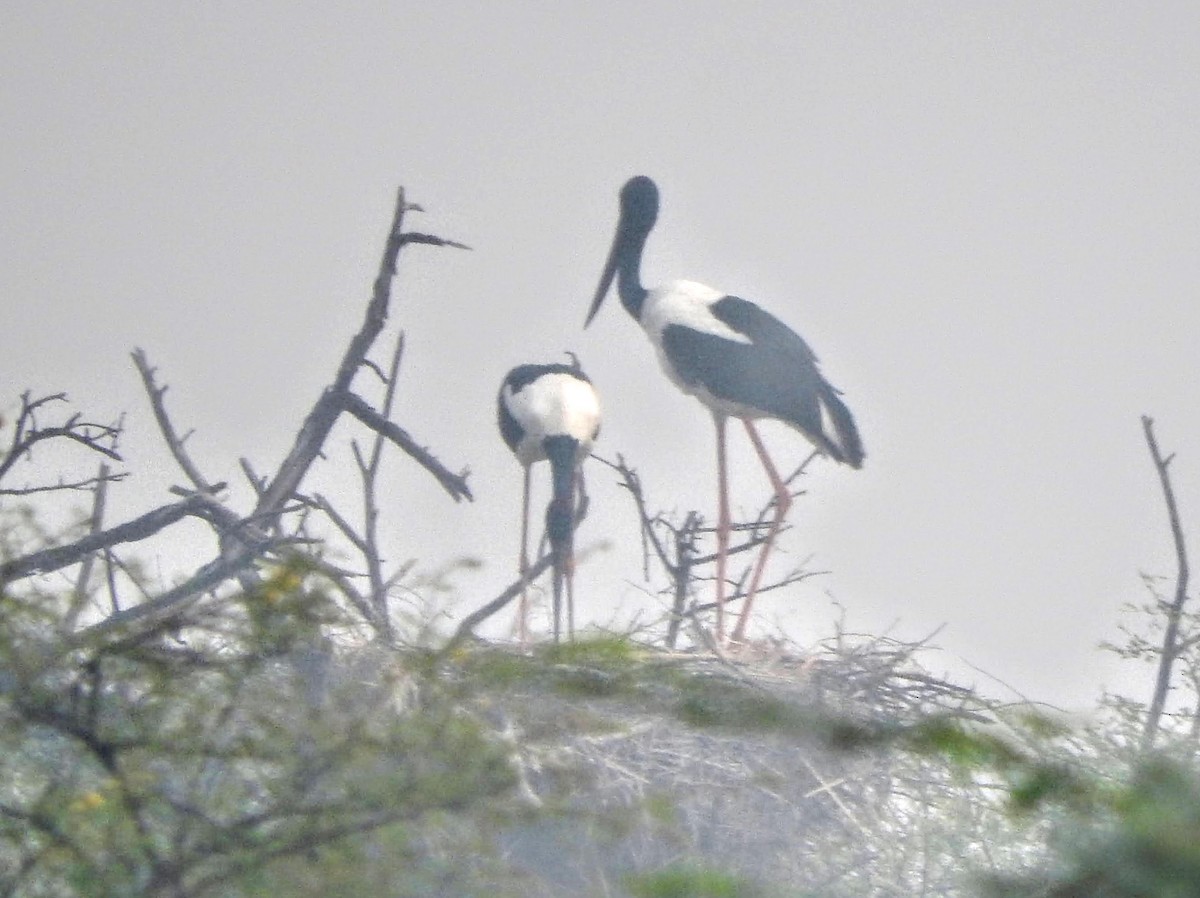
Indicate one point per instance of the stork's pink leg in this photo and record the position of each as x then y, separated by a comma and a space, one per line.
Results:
722, 524
783, 502
523, 566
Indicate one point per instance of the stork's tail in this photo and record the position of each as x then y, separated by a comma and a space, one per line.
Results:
844, 444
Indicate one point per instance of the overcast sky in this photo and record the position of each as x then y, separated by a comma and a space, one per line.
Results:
983, 217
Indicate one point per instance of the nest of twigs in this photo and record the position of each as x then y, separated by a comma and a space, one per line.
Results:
770, 763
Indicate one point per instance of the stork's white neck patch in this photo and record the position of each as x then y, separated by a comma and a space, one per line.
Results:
685, 304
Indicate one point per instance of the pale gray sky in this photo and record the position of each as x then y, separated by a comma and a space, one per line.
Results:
984, 219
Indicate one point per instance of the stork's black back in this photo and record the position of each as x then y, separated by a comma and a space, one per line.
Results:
775, 374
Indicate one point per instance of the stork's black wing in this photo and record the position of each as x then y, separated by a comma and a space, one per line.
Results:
775, 373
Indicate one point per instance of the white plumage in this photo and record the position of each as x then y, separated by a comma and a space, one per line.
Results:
554, 403
684, 304
550, 413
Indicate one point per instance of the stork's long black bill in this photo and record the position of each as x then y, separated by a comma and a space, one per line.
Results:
560, 520
606, 277
639, 211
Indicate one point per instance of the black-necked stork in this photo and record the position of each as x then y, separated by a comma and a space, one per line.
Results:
737, 359
550, 412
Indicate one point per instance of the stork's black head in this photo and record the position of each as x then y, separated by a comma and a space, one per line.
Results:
639, 211
639, 203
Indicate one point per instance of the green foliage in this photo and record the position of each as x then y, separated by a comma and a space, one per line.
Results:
599, 666
497, 668
1031, 780
1143, 841
231, 751
601, 650
687, 882
184, 758
1112, 834
712, 702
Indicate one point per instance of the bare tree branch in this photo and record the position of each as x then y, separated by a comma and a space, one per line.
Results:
797, 575
82, 590
472, 620
332, 401
86, 483
369, 473
429, 239
256, 483
27, 433
173, 440
57, 557
534, 571
454, 484
197, 505
242, 538
679, 556
170, 603
1171, 644
339, 520
341, 580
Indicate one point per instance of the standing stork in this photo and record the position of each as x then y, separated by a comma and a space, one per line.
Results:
550, 412
738, 360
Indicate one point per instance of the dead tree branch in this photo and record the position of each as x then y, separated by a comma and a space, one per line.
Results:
170, 604
475, 618
57, 557
1171, 640
242, 543
679, 556
86, 483
28, 432
173, 440
82, 589
339, 520
454, 484
334, 399
242, 538
368, 470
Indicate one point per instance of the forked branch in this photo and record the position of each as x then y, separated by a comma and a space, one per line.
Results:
28, 432
334, 399
245, 539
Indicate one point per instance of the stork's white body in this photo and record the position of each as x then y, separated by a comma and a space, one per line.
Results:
550, 412
555, 403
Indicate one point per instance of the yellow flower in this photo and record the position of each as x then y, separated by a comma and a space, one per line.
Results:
88, 801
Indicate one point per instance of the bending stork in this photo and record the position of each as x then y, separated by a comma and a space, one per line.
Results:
550, 412
738, 360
